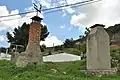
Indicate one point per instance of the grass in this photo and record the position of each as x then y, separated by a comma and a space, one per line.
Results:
48, 71
72, 51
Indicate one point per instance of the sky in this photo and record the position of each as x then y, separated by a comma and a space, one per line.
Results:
65, 24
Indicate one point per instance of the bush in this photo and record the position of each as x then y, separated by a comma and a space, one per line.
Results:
115, 57
72, 51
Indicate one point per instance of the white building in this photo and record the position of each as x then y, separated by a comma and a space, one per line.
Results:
4, 56
62, 57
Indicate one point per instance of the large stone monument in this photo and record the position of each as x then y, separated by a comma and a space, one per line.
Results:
98, 50
32, 53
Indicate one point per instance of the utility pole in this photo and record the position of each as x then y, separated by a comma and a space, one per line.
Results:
53, 47
6, 52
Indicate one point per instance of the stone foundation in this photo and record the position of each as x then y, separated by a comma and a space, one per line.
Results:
32, 55
22, 60
100, 73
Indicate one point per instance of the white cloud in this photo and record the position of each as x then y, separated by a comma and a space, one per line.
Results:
54, 3
64, 13
3, 11
105, 12
46, 3
73, 1
3, 26
14, 21
69, 28
62, 26
11, 32
75, 19
2, 38
50, 40
31, 8
9, 23
68, 9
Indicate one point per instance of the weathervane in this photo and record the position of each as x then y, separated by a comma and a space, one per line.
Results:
36, 7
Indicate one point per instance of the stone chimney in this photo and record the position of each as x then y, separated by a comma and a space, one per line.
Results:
33, 47
32, 53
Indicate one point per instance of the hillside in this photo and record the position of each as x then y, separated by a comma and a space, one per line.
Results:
78, 46
114, 33
48, 71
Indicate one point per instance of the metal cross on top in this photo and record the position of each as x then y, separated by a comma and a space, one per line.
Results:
36, 7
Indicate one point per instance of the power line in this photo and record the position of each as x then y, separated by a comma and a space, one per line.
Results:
55, 9
17, 14
68, 5
73, 6
15, 18
52, 8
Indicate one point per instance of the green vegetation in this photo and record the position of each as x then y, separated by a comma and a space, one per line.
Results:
72, 51
115, 54
21, 35
48, 71
112, 30
55, 71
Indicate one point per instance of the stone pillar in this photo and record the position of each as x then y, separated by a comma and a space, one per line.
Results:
33, 47
32, 53
98, 50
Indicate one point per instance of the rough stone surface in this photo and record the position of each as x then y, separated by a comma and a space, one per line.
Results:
22, 60
101, 73
98, 50
14, 56
33, 51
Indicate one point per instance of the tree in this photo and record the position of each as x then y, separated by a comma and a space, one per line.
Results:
112, 30
21, 35
2, 49
69, 43
43, 48
59, 47
87, 31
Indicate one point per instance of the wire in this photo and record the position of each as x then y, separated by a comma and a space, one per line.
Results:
72, 6
17, 14
50, 10
15, 18
68, 5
